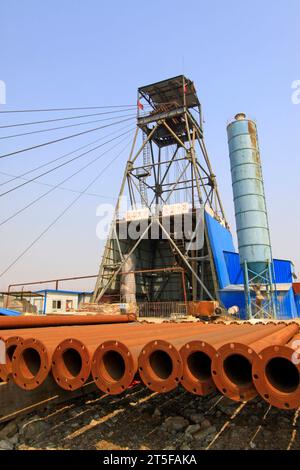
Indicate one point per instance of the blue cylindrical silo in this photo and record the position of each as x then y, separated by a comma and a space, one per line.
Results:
249, 197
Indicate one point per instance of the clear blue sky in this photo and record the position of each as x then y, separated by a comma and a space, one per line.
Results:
242, 56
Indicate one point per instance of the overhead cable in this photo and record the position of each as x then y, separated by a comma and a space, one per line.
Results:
38, 131
61, 139
30, 204
32, 170
61, 214
57, 167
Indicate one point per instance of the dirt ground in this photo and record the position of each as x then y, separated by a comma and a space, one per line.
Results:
141, 419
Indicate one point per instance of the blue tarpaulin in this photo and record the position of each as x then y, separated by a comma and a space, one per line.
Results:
287, 307
234, 297
7, 312
297, 302
220, 240
229, 273
234, 268
283, 269
286, 304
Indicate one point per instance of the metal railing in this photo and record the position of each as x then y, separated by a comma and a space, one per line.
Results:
162, 309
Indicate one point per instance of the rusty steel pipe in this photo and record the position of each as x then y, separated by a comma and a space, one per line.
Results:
197, 357
33, 321
276, 374
115, 362
12, 339
31, 361
30, 364
104, 328
232, 364
160, 363
124, 356
11, 343
160, 366
71, 363
41, 346
81, 347
114, 366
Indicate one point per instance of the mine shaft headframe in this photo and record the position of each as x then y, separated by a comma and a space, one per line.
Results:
175, 169
169, 100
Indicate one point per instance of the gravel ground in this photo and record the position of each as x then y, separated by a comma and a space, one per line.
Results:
140, 419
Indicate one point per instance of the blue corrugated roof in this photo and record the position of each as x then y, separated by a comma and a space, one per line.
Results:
63, 291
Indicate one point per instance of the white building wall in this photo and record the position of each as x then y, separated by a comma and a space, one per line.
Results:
63, 298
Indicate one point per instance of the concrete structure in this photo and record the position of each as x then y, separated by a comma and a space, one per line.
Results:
60, 301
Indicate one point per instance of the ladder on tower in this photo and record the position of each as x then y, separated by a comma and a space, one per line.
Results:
144, 172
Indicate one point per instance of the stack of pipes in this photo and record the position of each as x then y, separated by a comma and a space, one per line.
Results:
240, 359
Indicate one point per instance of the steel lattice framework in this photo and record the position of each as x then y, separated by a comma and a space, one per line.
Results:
168, 163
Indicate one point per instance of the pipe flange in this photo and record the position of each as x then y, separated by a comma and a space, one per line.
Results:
113, 367
27, 375
198, 382
231, 371
160, 366
11, 344
269, 390
67, 374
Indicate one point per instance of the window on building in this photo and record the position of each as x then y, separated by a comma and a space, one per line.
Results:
69, 304
56, 304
